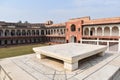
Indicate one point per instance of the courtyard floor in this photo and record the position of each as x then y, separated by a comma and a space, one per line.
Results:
28, 67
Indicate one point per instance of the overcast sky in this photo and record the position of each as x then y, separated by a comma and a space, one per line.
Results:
57, 10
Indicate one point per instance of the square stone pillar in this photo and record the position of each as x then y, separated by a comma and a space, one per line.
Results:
101, 54
39, 32
81, 41
118, 45
110, 31
89, 31
3, 34
83, 31
71, 66
40, 56
97, 41
102, 31
95, 31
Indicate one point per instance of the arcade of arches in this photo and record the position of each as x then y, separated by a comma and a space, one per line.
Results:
101, 31
75, 30
22, 36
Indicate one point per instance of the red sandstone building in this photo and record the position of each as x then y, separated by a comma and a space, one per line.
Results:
104, 31
107, 28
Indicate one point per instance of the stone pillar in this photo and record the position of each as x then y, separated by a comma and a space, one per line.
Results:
119, 45
9, 32
83, 31
95, 31
35, 32
60, 32
39, 32
3, 34
97, 41
63, 32
110, 31
31, 32
21, 32
71, 66
107, 45
89, 31
81, 41
119, 31
101, 53
40, 56
15, 32
26, 32
44, 32
102, 31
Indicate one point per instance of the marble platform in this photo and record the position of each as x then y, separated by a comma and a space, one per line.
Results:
69, 53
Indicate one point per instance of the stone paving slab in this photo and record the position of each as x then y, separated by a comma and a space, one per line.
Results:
107, 72
14, 71
103, 74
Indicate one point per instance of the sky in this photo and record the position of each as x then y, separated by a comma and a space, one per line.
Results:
38, 11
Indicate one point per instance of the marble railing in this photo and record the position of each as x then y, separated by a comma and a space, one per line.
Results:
111, 48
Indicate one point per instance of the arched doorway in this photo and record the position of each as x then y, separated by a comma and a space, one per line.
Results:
23, 32
73, 39
18, 33
86, 31
99, 31
6, 32
115, 31
13, 33
107, 31
92, 32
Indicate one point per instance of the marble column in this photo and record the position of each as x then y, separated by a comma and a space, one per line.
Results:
102, 31
89, 31
110, 31
95, 31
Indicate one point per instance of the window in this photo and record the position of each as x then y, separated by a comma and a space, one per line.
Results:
78, 29
67, 41
73, 27
66, 29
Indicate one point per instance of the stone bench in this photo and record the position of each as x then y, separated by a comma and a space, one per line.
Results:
69, 53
